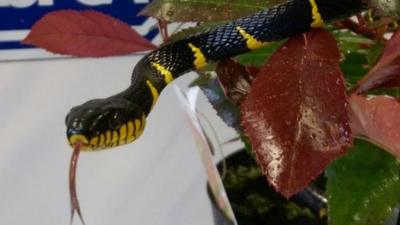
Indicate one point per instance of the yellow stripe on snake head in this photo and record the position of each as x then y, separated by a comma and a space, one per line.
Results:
153, 91
199, 58
123, 132
139, 127
131, 132
94, 141
108, 137
251, 42
165, 72
102, 140
317, 19
114, 137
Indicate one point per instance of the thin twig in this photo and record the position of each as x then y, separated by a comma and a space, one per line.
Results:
363, 30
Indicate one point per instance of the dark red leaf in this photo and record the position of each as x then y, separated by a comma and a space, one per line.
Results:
235, 79
377, 118
85, 33
295, 114
393, 83
386, 69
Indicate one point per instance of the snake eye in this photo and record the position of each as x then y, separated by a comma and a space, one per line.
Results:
115, 121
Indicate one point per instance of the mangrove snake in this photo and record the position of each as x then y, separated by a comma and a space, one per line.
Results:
120, 119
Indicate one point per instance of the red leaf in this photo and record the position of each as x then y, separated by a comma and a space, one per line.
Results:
386, 69
235, 79
393, 83
377, 118
295, 114
85, 33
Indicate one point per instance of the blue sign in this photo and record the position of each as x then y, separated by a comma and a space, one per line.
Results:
18, 16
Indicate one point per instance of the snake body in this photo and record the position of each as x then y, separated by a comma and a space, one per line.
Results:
120, 119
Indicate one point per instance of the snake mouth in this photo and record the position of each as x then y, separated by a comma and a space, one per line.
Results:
125, 134
81, 140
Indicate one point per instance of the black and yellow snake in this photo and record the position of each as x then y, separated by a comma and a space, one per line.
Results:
120, 119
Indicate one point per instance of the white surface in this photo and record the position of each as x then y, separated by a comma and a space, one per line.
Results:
157, 180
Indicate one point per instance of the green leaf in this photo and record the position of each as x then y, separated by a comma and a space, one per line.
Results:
359, 54
353, 67
363, 187
374, 53
204, 10
349, 41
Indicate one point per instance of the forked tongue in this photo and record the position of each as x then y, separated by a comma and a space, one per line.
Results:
72, 183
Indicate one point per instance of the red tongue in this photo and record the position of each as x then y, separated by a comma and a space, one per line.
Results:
72, 182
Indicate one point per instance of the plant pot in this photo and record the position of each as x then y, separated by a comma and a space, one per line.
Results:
254, 202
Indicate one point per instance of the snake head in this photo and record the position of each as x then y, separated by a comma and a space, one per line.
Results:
104, 123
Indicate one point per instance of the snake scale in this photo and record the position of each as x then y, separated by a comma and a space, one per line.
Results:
120, 119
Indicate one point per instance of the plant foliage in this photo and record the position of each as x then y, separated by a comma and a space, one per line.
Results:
299, 108
363, 187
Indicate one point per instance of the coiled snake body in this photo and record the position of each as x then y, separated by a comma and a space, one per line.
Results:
120, 119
